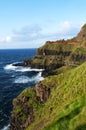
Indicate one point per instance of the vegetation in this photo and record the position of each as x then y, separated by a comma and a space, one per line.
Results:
59, 47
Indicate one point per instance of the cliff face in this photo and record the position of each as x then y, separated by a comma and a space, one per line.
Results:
23, 113
52, 56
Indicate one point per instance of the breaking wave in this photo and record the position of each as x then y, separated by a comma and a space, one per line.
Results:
11, 67
25, 79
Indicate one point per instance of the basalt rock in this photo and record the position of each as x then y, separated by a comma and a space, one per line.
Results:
42, 92
23, 114
27, 62
24, 108
18, 64
18, 123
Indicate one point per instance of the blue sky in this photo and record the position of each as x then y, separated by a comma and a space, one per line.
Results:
30, 23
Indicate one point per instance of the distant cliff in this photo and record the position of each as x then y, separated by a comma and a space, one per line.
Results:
55, 54
59, 101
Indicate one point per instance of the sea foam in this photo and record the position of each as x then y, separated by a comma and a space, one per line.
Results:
25, 79
20, 68
6, 127
10, 67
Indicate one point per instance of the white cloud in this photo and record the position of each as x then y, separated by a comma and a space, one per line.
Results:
6, 39
36, 33
65, 26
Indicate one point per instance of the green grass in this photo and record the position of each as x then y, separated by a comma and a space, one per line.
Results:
80, 50
70, 117
58, 47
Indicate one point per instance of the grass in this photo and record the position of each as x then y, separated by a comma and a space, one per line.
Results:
58, 47
70, 117
65, 109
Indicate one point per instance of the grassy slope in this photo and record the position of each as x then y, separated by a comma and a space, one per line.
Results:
65, 109
59, 47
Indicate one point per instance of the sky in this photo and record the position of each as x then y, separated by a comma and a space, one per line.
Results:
30, 23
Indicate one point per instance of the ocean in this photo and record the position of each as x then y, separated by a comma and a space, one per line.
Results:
13, 80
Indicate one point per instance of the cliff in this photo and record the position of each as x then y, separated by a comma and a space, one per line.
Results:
59, 101
55, 54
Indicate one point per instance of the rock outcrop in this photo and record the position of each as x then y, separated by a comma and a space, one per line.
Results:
42, 92
23, 114
24, 106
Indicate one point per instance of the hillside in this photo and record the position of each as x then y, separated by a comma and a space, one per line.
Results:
64, 108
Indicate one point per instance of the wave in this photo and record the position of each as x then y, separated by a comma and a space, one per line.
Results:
10, 67
20, 68
25, 69
24, 79
6, 127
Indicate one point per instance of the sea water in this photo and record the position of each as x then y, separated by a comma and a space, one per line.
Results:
14, 79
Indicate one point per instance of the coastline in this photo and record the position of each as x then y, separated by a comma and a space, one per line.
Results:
60, 60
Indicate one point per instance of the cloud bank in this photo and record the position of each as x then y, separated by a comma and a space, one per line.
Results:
34, 35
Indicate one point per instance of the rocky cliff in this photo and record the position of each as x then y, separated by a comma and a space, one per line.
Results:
26, 105
55, 54
59, 101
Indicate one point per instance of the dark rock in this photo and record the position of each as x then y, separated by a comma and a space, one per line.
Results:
24, 117
18, 64
42, 92
27, 62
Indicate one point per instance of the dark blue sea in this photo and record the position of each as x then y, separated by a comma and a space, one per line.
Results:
13, 80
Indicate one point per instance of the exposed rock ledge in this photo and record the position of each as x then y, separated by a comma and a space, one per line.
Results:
24, 108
